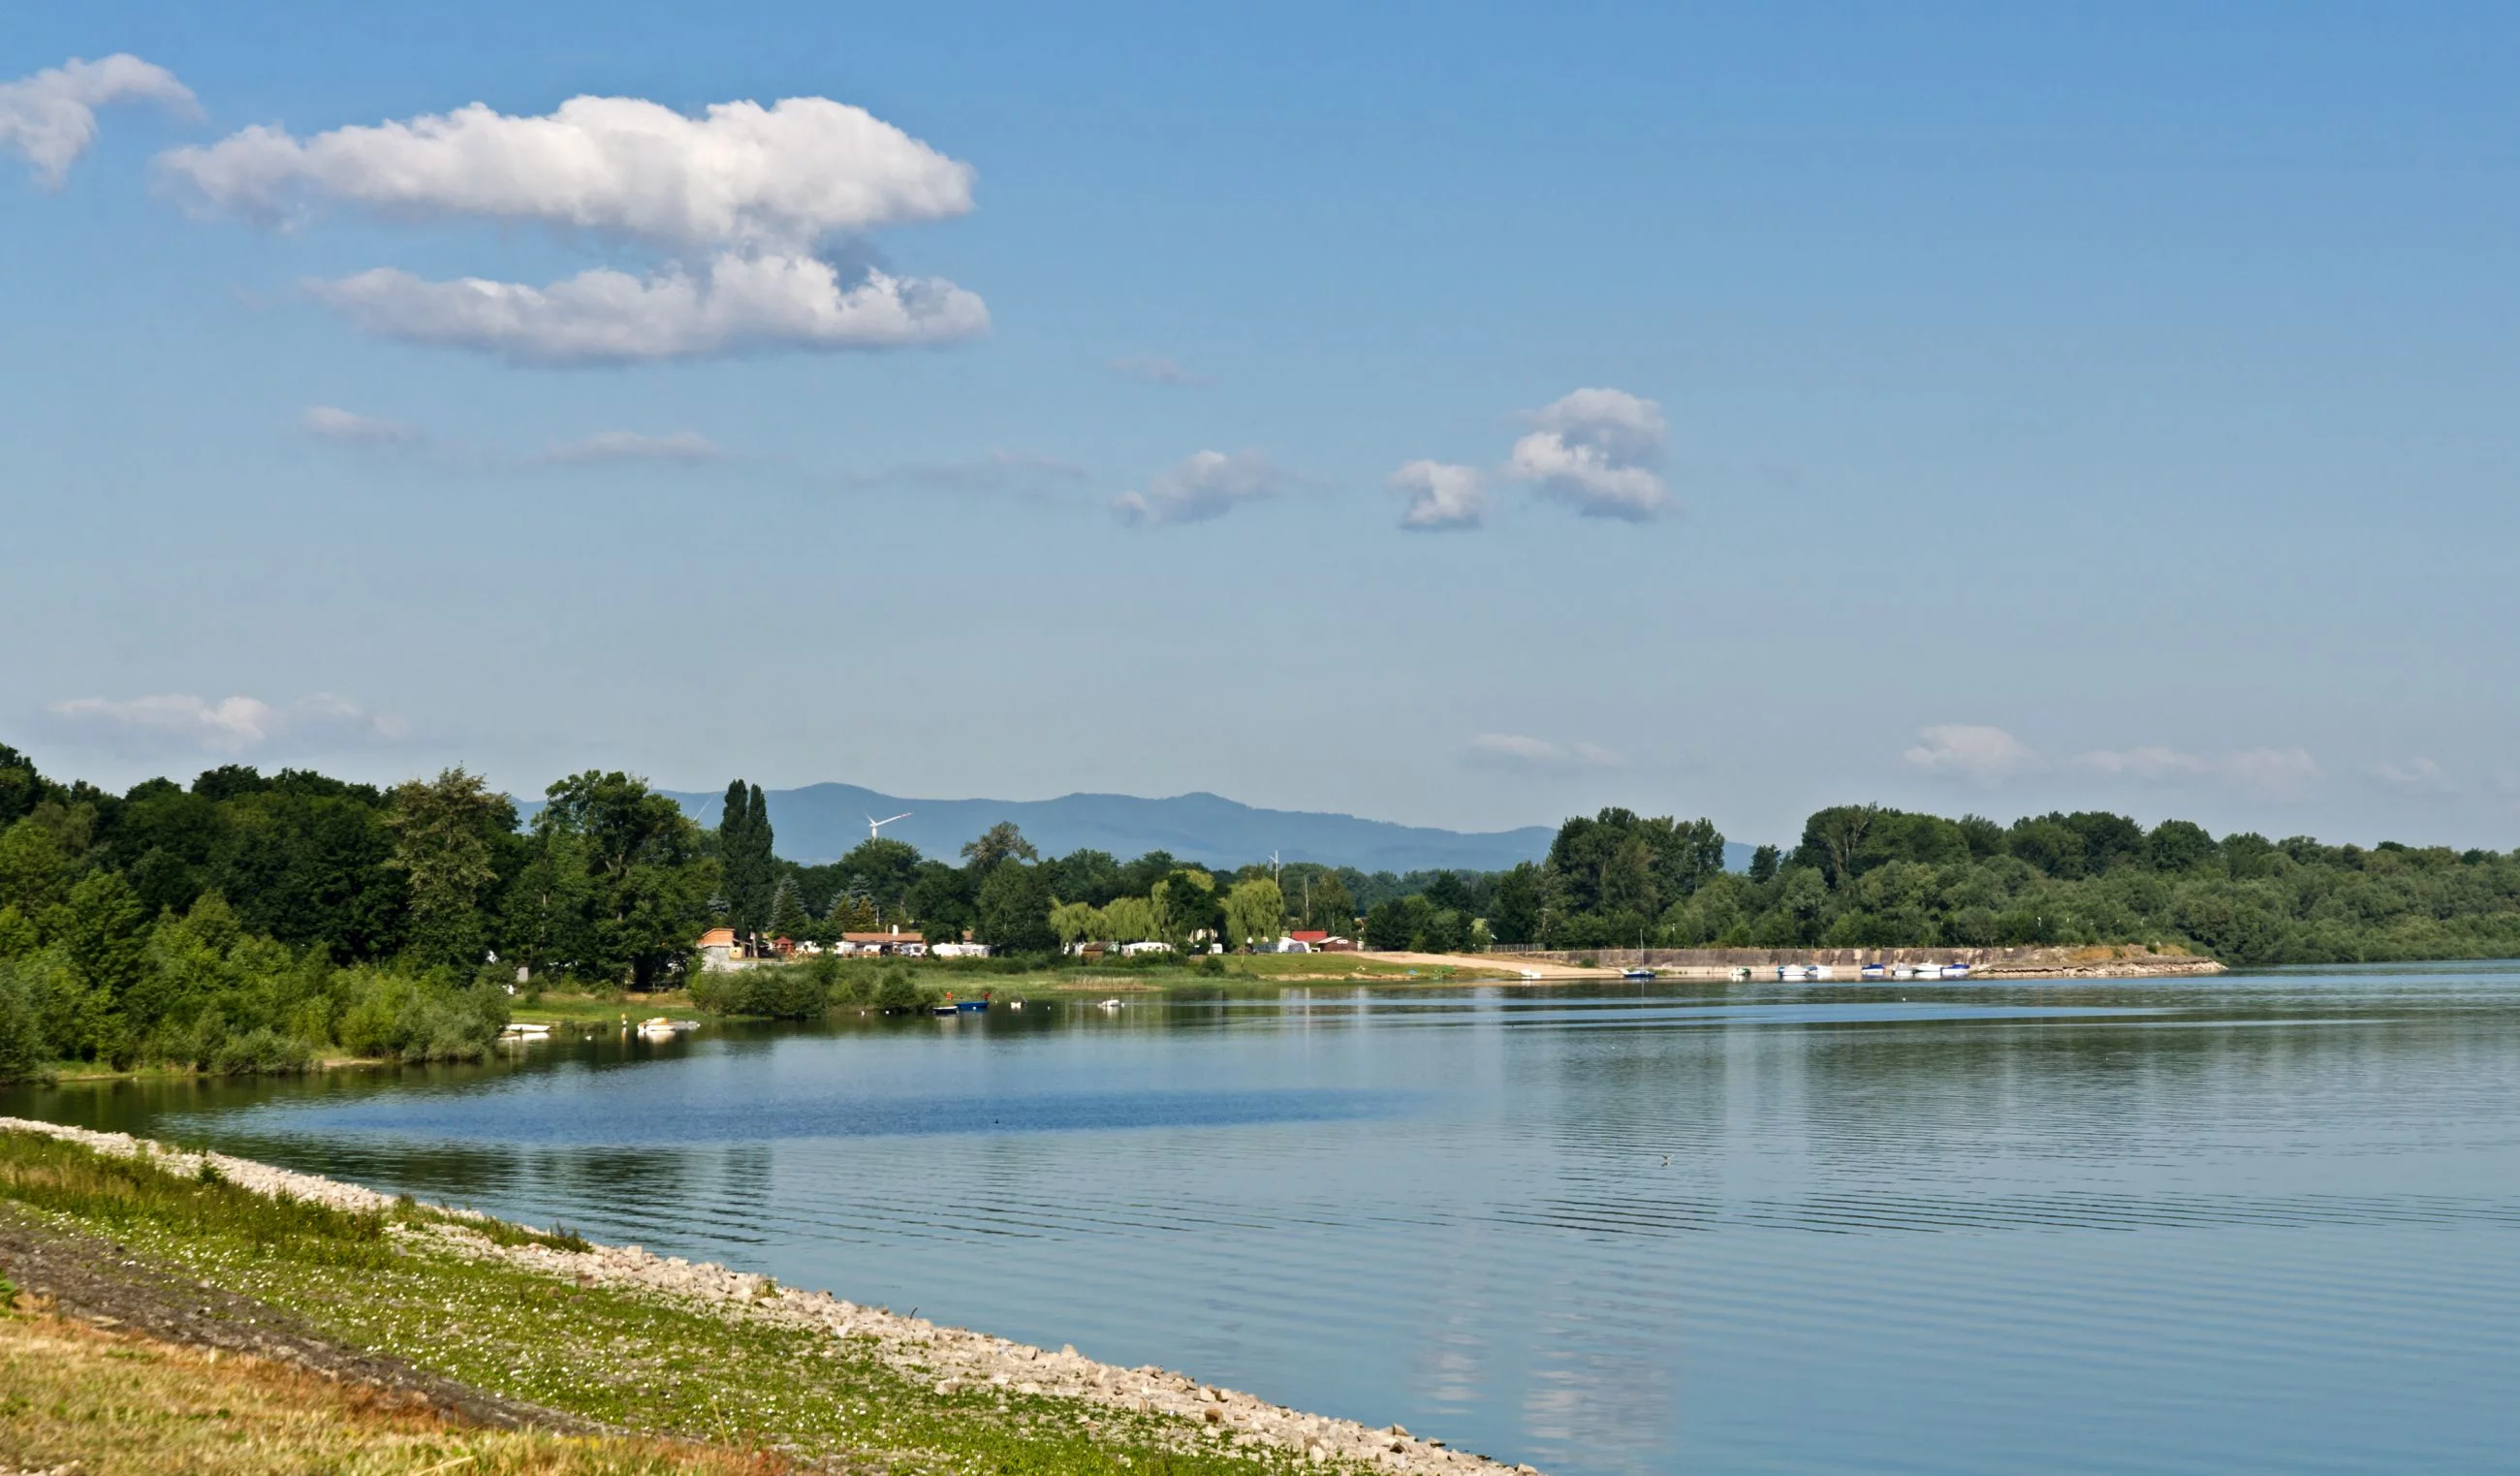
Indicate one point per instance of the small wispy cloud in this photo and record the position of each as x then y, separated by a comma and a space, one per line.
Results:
330, 423
1442, 497
1204, 487
348, 428
1155, 369
1988, 756
1971, 751
631, 446
2268, 773
49, 118
2419, 774
1520, 750
181, 723
999, 469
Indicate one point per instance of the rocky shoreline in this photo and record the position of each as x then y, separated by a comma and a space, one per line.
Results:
2103, 960
952, 1359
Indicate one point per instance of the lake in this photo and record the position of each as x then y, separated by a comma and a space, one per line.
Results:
2260, 1223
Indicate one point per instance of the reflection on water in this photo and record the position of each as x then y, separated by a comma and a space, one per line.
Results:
2266, 1224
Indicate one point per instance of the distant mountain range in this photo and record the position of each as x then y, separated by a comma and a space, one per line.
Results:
822, 822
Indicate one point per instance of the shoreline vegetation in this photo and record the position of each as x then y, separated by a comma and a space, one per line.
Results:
251, 924
472, 1337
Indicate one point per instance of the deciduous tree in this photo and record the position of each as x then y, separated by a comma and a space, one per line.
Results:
446, 834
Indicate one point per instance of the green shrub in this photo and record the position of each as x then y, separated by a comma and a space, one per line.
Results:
424, 1019
778, 990
897, 994
261, 1051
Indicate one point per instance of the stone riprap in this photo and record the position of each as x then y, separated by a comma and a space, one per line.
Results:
950, 1360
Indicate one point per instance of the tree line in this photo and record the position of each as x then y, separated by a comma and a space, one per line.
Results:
256, 922
1864, 876
260, 923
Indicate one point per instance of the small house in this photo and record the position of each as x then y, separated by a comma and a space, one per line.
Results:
891, 941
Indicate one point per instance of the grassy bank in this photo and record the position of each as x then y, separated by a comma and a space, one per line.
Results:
599, 1008
394, 1284
76, 1397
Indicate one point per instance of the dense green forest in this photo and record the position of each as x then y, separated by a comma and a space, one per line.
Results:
1863, 875
258, 922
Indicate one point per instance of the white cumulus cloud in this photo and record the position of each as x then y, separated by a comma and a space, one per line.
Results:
237, 725
330, 423
1971, 751
786, 176
605, 316
1518, 750
49, 118
1441, 496
1209, 484
1596, 451
749, 211
632, 446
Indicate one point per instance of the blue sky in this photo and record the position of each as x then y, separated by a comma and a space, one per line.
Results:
1992, 408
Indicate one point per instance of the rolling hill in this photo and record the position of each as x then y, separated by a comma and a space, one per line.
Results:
822, 822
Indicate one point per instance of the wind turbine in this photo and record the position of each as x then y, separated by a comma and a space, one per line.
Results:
875, 826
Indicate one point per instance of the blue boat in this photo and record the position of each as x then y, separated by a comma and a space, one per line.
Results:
1635, 973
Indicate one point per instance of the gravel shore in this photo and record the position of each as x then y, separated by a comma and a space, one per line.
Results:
950, 1359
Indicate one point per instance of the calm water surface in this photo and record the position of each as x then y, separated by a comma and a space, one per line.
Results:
2253, 1223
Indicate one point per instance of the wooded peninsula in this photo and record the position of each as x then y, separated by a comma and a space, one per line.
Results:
252, 922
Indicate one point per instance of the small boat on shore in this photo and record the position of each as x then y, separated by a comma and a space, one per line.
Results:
1873, 971
1639, 974
521, 1032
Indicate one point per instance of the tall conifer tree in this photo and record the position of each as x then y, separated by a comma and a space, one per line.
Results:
743, 839
734, 823
759, 867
